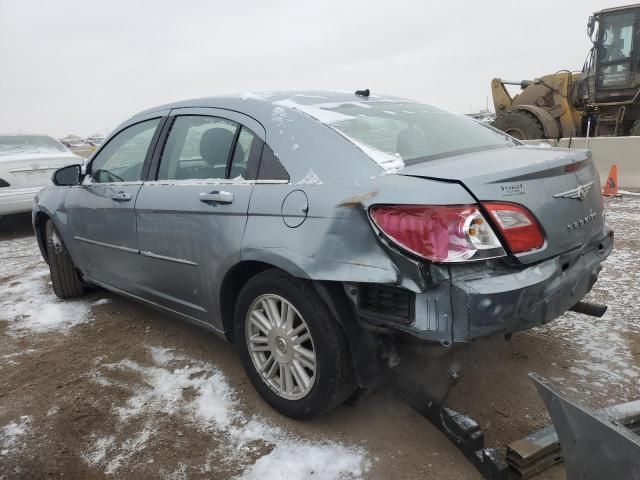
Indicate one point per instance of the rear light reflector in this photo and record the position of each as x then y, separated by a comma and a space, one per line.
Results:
440, 233
517, 225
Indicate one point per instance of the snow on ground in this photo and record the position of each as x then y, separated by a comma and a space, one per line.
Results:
12, 435
200, 393
607, 342
28, 302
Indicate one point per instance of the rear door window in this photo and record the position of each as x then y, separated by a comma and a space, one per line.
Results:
246, 156
270, 166
198, 147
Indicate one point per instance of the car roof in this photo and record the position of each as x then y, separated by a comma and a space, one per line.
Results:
294, 129
253, 103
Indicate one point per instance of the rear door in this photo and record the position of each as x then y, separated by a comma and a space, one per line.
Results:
101, 210
192, 214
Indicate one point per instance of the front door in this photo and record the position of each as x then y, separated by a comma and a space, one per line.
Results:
101, 210
192, 218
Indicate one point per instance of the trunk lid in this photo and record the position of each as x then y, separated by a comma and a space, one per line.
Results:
560, 187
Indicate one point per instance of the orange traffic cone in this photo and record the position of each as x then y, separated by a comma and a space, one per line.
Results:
611, 187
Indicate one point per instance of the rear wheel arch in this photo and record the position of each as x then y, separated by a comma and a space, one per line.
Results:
334, 379
363, 344
40, 227
233, 282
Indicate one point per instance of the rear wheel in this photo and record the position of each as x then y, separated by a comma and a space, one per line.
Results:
293, 350
64, 276
519, 124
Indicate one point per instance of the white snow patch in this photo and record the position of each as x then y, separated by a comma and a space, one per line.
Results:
179, 473
288, 461
316, 111
279, 115
108, 453
310, 179
389, 163
309, 96
11, 435
295, 147
212, 405
55, 239
28, 302
253, 96
30, 306
102, 301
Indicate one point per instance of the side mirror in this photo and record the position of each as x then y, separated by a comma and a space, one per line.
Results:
67, 176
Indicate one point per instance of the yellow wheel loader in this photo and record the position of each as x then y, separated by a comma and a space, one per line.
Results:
601, 100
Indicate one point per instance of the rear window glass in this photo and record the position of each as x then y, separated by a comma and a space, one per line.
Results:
411, 132
16, 144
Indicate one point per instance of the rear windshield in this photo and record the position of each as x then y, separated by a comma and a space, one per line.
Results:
411, 132
16, 144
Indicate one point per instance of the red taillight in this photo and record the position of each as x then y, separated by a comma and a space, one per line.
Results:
518, 226
440, 233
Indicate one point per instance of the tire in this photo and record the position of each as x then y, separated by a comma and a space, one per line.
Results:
331, 383
520, 124
64, 276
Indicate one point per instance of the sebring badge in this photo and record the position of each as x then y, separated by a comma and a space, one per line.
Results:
578, 193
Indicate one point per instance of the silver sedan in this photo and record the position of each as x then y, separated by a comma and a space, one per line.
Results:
317, 229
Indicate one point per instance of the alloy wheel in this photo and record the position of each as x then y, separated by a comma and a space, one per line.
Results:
281, 346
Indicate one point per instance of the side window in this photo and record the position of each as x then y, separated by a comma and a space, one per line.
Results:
122, 158
198, 147
270, 166
246, 156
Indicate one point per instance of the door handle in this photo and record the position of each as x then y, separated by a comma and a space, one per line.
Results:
121, 197
217, 197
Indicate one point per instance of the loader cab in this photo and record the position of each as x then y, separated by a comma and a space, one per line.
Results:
616, 52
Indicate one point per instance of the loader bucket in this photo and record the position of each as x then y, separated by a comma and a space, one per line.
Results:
594, 445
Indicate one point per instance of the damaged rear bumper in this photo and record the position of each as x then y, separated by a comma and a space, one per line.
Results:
492, 298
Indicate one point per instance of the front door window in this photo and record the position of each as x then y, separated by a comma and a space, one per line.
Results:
121, 160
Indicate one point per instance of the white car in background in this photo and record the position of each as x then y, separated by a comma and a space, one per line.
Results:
94, 141
26, 165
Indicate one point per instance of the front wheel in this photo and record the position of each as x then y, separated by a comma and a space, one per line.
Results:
293, 350
64, 276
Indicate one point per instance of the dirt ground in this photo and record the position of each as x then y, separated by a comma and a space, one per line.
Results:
103, 387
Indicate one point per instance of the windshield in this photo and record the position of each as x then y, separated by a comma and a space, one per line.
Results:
16, 144
411, 132
615, 49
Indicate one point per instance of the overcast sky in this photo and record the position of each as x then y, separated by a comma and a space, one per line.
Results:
84, 66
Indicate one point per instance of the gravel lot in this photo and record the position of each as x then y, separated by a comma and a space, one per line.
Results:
104, 387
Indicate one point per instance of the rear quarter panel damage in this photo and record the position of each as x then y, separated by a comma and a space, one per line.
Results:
336, 241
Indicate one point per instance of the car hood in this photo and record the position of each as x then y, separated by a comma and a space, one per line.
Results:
548, 181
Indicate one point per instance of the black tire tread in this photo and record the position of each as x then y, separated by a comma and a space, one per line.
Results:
522, 120
343, 383
64, 277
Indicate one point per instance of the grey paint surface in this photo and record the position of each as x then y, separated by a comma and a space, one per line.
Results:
594, 446
171, 250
